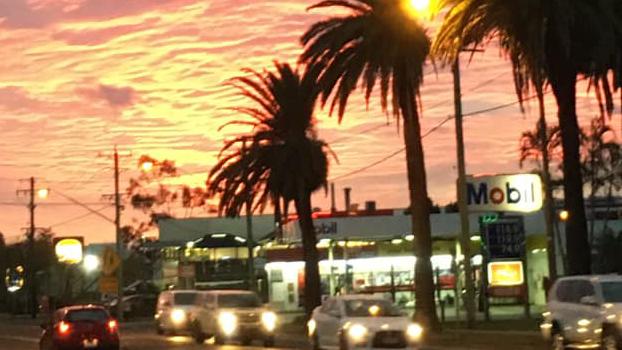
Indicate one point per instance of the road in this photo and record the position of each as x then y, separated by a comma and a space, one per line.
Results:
26, 337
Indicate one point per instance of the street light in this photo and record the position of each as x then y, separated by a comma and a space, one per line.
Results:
564, 215
43, 193
147, 166
91, 263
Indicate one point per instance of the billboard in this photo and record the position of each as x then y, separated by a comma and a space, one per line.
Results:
69, 249
505, 193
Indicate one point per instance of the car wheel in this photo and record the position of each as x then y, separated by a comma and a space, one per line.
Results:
159, 330
268, 342
246, 341
315, 342
558, 342
343, 342
219, 340
199, 336
609, 341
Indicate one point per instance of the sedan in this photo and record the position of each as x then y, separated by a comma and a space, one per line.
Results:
80, 327
362, 322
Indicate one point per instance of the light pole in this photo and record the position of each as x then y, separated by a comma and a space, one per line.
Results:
30, 272
465, 237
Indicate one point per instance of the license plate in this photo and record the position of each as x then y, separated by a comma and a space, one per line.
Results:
90, 343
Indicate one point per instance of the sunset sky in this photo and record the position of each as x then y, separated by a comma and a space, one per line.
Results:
79, 76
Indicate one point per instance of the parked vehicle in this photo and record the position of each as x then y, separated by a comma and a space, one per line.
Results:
80, 327
362, 322
234, 315
584, 311
174, 311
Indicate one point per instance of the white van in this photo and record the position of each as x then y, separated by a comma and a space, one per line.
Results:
174, 311
233, 315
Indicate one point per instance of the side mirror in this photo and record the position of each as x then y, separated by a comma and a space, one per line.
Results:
44, 325
589, 300
166, 304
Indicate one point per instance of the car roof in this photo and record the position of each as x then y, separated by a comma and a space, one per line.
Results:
359, 297
593, 278
82, 307
230, 292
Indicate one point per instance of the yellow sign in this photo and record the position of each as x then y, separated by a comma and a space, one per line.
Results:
505, 273
108, 285
68, 250
110, 261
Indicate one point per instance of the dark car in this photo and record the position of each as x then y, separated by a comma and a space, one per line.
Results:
80, 327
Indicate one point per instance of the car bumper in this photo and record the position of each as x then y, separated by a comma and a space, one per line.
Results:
78, 345
254, 331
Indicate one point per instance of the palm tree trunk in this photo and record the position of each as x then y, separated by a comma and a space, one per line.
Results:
312, 290
425, 306
549, 208
563, 80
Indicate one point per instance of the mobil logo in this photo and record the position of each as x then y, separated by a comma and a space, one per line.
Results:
510, 193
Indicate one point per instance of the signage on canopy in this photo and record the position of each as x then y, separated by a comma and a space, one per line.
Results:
506, 193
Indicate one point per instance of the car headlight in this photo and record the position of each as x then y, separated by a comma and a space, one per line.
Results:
414, 332
357, 332
228, 322
268, 319
178, 316
311, 326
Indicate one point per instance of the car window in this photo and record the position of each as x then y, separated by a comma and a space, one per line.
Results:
583, 289
371, 308
239, 300
327, 306
185, 298
88, 315
612, 292
563, 291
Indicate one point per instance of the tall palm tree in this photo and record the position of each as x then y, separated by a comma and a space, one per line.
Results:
559, 39
279, 158
380, 43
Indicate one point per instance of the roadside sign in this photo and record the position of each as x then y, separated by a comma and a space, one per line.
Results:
504, 238
110, 261
504, 193
108, 285
69, 250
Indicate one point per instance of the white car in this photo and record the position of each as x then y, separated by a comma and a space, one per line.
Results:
362, 322
174, 311
584, 312
233, 315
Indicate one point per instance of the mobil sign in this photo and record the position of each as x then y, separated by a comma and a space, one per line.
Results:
511, 193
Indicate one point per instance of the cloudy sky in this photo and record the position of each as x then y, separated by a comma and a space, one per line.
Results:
79, 76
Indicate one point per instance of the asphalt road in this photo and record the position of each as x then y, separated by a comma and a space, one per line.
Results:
26, 337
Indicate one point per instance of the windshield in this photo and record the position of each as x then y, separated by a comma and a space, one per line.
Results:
238, 300
612, 292
371, 308
185, 298
94, 315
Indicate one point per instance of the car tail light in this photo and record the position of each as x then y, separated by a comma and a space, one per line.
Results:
63, 328
112, 326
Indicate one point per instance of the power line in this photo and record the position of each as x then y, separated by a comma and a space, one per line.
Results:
433, 129
81, 216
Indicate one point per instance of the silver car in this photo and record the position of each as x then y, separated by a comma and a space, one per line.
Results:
584, 312
233, 315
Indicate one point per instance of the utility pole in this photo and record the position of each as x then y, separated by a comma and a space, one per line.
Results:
30, 272
119, 239
31, 249
465, 237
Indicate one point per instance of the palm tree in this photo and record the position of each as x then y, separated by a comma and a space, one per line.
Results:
554, 39
280, 158
379, 42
